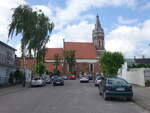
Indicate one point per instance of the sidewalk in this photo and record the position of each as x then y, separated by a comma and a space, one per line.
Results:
142, 96
11, 89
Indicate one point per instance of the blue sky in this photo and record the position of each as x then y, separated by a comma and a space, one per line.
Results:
126, 23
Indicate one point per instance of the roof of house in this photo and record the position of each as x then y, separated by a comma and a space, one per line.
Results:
82, 50
142, 60
2, 43
52, 51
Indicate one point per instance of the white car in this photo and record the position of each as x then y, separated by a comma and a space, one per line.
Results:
37, 81
84, 79
98, 80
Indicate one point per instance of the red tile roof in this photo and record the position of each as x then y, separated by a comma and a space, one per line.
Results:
52, 51
83, 50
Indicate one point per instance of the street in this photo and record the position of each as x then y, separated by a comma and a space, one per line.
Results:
73, 97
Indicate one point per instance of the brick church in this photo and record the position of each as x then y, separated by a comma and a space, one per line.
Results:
86, 54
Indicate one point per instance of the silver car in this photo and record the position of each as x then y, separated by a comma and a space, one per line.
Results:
98, 80
47, 79
84, 79
37, 81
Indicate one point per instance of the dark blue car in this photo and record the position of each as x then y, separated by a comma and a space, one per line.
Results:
115, 88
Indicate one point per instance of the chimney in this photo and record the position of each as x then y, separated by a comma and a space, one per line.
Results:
63, 43
143, 56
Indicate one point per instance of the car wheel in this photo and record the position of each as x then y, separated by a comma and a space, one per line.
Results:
105, 97
100, 92
129, 99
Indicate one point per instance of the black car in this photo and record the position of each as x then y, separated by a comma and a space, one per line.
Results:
58, 81
115, 88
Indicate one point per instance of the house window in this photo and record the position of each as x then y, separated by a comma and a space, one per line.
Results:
91, 67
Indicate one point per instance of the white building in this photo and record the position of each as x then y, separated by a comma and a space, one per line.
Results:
137, 76
7, 62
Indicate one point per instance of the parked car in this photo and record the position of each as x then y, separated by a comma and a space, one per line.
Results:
47, 79
115, 88
98, 80
65, 77
58, 81
90, 77
37, 81
72, 77
84, 78
54, 77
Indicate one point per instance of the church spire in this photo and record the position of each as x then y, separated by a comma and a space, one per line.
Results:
98, 36
97, 25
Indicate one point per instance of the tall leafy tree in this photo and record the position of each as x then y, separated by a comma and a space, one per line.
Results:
111, 62
69, 58
35, 29
34, 26
57, 60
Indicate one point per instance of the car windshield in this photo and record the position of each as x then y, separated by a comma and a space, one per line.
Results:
84, 76
98, 78
117, 82
37, 78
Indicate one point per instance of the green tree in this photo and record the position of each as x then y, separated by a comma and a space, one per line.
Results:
111, 62
40, 68
34, 26
35, 29
69, 58
57, 60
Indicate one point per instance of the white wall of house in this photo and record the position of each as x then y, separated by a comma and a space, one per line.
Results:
136, 76
7, 62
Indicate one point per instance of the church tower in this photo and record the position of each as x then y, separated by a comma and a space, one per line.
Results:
98, 37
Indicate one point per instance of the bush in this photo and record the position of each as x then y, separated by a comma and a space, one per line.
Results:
56, 72
139, 66
17, 75
147, 83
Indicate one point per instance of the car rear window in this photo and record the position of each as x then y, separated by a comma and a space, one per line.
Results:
36, 78
117, 82
98, 78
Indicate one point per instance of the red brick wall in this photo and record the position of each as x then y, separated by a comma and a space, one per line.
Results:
51, 67
84, 67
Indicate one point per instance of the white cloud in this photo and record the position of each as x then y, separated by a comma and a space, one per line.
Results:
44, 9
56, 41
81, 32
75, 7
121, 20
145, 6
18, 48
5, 16
129, 40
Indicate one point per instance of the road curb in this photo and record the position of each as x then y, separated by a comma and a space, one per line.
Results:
140, 103
12, 91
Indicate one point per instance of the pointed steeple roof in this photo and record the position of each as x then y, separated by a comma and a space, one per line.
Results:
98, 25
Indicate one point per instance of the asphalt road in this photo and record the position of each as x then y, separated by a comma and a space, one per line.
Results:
73, 97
